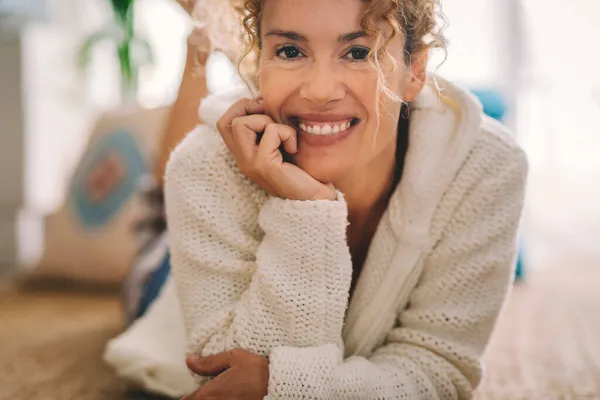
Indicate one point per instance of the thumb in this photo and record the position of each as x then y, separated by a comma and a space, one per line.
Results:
210, 365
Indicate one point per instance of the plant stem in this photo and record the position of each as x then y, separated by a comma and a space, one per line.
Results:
129, 73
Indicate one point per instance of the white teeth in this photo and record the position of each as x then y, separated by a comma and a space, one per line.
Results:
325, 129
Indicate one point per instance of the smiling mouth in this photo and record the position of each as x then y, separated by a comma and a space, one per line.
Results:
325, 128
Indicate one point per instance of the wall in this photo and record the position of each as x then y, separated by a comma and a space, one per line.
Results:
11, 146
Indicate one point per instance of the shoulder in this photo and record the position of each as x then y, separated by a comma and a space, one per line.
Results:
489, 187
495, 156
202, 167
498, 142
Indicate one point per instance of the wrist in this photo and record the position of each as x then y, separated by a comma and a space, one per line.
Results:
328, 192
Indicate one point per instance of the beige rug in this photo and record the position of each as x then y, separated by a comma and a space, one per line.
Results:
547, 344
52, 343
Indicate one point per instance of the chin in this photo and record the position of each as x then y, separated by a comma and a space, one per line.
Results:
326, 171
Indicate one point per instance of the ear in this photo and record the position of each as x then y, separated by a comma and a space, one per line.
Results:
418, 75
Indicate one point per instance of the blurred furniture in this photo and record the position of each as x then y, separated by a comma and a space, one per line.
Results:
92, 237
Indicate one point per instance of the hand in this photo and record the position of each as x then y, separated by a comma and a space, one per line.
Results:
240, 374
263, 163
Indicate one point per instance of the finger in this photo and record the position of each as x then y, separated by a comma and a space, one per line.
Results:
246, 107
240, 108
210, 365
276, 135
245, 130
269, 158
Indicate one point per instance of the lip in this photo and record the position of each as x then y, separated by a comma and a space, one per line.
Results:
324, 140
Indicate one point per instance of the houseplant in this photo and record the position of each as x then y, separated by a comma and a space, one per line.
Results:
132, 50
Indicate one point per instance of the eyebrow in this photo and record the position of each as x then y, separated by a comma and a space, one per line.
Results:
287, 34
297, 37
348, 37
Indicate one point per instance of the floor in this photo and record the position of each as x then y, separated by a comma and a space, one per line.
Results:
545, 347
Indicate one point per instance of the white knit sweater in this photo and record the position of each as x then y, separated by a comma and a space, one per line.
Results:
272, 276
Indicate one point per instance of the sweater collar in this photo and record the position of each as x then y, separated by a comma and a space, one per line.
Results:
444, 125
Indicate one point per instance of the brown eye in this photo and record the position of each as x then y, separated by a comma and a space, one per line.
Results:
357, 54
288, 52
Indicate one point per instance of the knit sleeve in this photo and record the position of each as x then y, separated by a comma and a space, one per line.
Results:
435, 349
252, 271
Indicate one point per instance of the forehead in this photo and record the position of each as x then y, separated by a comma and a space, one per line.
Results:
316, 17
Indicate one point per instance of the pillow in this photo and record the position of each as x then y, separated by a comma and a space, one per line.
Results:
92, 237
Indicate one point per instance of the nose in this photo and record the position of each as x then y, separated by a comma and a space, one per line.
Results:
322, 84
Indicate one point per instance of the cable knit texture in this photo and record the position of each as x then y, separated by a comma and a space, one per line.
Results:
273, 275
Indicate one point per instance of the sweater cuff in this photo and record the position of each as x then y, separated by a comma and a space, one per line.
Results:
302, 372
316, 218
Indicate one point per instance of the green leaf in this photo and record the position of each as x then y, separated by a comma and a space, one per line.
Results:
122, 8
111, 33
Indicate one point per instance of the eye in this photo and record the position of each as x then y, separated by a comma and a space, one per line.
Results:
357, 54
288, 52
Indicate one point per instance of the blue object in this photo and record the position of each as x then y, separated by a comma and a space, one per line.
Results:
106, 178
154, 285
494, 106
493, 103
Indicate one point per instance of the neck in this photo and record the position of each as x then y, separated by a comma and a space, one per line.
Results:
370, 188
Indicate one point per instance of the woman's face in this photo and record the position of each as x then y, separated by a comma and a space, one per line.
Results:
314, 76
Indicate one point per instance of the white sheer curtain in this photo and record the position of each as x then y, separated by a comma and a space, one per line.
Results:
542, 55
559, 125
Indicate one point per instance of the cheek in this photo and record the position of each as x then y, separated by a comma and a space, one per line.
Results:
362, 88
275, 86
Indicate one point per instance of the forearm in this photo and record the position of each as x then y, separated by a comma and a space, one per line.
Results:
395, 371
298, 292
184, 112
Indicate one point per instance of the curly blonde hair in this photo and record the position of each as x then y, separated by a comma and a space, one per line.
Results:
420, 22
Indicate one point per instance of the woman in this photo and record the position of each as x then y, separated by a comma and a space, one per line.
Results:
328, 242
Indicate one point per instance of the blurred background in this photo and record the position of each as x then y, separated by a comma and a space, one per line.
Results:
531, 62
